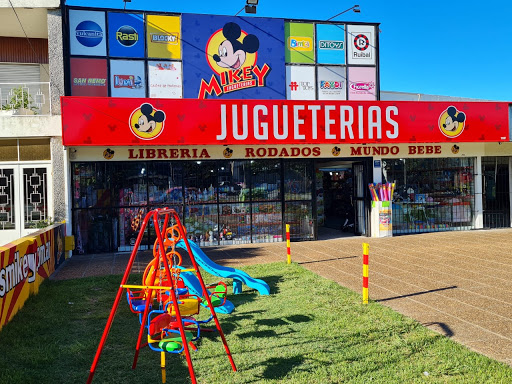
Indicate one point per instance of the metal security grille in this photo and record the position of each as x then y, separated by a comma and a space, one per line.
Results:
7, 196
431, 194
35, 196
496, 198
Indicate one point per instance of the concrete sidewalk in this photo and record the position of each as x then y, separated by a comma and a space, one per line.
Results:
456, 283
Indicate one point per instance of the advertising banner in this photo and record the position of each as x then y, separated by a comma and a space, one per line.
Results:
299, 40
361, 44
330, 44
24, 264
87, 33
362, 83
165, 79
300, 82
126, 35
332, 83
89, 77
129, 122
127, 78
163, 36
233, 57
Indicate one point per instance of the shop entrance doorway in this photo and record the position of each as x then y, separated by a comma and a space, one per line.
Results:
496, 197
340, 199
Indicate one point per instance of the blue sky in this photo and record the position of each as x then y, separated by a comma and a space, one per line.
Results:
450, 48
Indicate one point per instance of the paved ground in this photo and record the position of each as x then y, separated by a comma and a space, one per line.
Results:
456, 283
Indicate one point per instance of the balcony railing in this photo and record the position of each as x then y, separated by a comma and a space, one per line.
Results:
25, 99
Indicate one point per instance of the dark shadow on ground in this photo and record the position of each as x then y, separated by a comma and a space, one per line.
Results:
321, 261
278, 368
445, 329
416, 294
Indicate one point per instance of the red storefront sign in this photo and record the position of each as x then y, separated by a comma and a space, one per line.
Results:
131, 121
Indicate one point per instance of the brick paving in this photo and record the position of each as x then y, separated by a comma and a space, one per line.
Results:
457, 283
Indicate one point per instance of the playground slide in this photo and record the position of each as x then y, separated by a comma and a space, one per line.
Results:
194, 287
225, 272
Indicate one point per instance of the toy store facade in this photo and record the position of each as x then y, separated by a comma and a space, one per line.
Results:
244, 124
250, 166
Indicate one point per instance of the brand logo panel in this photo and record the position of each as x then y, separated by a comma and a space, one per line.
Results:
362, 83
126, 34
299, 43
330, 48
361, 44
300, 82
164, 37
240, 60
332, 83
87, 33
89, 77
127, 78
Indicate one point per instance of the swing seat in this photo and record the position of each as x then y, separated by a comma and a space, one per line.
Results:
174, 344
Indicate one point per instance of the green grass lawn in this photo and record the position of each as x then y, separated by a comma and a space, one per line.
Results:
309, 330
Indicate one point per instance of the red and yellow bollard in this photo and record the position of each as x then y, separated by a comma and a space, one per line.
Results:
288, 251
366, 251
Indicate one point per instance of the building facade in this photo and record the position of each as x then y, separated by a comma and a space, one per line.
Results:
32, 160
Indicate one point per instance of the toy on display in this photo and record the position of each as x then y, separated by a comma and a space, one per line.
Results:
170, 295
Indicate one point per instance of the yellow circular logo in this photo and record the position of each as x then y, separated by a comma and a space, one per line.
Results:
228, 152
230, 48
146, 122
336, 151
452, 122
108, 154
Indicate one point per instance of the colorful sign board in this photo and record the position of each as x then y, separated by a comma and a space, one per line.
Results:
127, 78
332, 83
163, 36
89, 77
361, 44
24, 264
87, 33
266, 122
300, 82
126, 35
299, 43
165, 79
233, 57
330, 44
362, 83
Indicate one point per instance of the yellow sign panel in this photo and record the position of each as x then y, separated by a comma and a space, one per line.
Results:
164, 37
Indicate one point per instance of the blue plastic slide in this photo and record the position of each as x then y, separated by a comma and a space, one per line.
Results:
225, 272
194, 287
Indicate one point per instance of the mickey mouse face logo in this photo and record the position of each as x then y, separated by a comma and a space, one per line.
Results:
336, 151
228, 152
108, 154
455, 149
452, 122
146, 122
230, 48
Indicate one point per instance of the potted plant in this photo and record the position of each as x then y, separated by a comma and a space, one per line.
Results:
20, 101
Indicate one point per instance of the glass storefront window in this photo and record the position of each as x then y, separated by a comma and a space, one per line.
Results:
199, 181
219, 202
233, 185
91, 185
266, 180
267, 222
431, 194
300, 217
130, 183
297, 180
165, 183
201, 223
